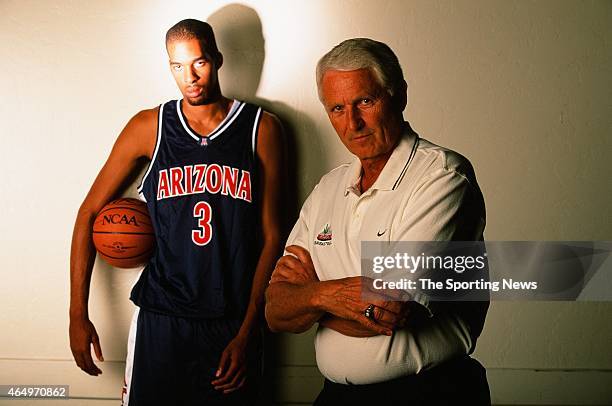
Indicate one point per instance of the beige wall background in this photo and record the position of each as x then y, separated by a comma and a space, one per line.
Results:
524, 89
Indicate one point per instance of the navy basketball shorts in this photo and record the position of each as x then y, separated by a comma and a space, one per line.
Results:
172, 361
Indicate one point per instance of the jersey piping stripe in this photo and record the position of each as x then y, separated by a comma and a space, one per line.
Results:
195, 136
255, 127
180, 114
129, 362
220, 128
235, 105
212, 137
160, 116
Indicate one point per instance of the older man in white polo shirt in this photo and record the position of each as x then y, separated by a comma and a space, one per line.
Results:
400, 187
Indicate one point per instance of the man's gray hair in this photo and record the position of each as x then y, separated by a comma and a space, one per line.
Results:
364, 53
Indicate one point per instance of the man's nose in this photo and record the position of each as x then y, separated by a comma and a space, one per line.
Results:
190, 76
355, 122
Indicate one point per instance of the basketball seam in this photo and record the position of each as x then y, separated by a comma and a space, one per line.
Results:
135, 256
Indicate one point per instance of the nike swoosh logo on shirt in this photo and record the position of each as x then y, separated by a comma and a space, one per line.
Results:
380, 234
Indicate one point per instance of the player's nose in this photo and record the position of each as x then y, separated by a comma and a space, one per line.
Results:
190, 76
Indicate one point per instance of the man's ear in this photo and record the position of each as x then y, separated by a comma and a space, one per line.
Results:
401, 97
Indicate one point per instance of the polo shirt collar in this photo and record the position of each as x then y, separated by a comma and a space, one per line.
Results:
394, 169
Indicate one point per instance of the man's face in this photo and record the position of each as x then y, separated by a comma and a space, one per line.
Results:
195, 72
362, 112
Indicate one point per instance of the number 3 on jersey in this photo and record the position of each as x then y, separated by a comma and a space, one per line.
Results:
202, 235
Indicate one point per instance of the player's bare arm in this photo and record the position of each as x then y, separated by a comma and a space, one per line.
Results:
271, 155
136, 141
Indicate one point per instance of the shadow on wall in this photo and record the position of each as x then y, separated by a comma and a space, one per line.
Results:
239, 36
240, 39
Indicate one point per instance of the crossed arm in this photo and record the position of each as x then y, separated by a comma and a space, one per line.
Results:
443, 209
296, 299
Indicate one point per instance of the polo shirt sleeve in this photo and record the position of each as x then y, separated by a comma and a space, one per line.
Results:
447, 206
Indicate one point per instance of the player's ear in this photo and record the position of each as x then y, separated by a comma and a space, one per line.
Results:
219, 59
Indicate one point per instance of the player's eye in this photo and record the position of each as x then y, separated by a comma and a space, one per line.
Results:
200, 63
366, 101
177, 68
336, 109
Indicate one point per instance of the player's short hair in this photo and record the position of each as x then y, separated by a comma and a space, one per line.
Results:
194, 29
364, 53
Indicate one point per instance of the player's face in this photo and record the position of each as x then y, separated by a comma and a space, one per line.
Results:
362, 112
194, 71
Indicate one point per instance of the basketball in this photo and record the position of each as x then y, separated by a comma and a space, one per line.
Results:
123, 234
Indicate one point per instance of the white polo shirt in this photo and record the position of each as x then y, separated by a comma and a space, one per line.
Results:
424, 193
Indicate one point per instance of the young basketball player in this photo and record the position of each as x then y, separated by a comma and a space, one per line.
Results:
212, 189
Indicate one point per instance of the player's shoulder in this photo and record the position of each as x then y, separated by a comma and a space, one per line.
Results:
140, 133
270, 141
143, 123
270, 125
268, 121
146, 117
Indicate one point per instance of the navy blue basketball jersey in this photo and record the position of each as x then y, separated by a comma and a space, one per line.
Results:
202, 196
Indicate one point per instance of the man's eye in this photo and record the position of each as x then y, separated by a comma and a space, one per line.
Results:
199, 64
336, 109
366, 101
177, 68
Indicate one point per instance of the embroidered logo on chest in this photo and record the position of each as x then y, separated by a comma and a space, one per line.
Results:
325, 236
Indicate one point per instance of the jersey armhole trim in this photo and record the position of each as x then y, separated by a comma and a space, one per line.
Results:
160, 116
256, 130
